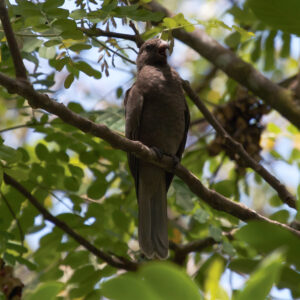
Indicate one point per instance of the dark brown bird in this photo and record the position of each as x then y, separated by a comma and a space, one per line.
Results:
157, 115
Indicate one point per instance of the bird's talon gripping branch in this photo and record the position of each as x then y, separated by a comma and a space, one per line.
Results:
159, 153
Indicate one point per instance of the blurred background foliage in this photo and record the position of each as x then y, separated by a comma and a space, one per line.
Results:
86, 183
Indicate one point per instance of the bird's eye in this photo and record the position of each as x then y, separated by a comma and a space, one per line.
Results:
149, 47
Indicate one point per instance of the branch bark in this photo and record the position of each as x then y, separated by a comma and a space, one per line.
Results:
212, 198
117, 262
238, 148
277, 97
12, 43
182, 251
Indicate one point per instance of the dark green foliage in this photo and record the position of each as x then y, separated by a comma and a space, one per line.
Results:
85, 182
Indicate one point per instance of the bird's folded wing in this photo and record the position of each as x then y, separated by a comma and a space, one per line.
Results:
133, 111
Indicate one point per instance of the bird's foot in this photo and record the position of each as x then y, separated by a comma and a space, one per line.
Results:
175, 161
159, 153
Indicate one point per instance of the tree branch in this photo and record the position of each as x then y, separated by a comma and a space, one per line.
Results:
244, 73
96, 32
212, 198
182, 251
121, 263
12, 43
237, 147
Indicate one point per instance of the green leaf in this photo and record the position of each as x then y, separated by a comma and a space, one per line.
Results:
71, 184
283, 15
79, 47
31, 43
88, 157
286, 46
68, 81
57, 13
18, 172
169, 282
76, 107
281, 216
1, 175
178, 21
31, 266
183, 196
225, 187
255, 54
201, 216
233, 40
128, 287
270, 51
87, 69
262, 280
65, 25
58, 64
9, 154
137, 14
74, 34
78, 14
273, 128
213, 289
119, 92
215, 233
41, 151
47, 291
50, 4
16, 247
76, 171
47, 52
266, 238
97, 189
154, 281
53, 42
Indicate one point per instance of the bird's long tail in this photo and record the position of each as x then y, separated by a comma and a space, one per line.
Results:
153, 220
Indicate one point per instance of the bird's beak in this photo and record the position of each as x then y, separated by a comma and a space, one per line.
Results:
163, 46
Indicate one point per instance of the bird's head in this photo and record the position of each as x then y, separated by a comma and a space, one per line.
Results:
152, 52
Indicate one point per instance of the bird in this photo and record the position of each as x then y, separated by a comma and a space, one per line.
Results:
156, 114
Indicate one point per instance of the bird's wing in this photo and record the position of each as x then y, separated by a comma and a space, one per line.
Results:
169, 176
133, 111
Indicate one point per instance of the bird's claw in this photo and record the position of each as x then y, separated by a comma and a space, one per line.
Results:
159, 153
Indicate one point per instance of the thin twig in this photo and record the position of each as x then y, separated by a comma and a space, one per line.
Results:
14, 216
244, 73
235, 146
212, 198
181, 251
96, 32
112, 50
12, 42
138, 39
110, 259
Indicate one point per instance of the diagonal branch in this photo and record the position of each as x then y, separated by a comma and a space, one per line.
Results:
243, 72
121, 263
99, 32
12, 43
237, 147
182, 251
212, 198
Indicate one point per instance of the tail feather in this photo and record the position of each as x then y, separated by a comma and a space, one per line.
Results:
153, 221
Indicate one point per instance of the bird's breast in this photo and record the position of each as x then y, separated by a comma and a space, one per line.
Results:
163, 117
